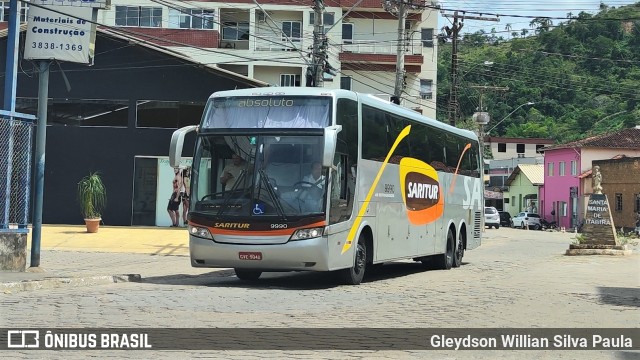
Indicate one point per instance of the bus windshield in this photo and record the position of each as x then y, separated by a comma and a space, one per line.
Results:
262, 175
290, 112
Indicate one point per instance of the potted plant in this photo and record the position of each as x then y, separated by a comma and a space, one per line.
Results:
93, 198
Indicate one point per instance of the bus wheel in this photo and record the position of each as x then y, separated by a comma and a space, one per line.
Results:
459, 253
445, 261
355, 274
247, 275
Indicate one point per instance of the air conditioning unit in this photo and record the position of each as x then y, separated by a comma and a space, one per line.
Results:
426, 95
385, 97
261, 16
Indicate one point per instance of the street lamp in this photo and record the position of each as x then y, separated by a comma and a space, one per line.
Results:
505, 118
485, 63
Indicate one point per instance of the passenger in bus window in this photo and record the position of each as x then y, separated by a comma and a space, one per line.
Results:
232, 172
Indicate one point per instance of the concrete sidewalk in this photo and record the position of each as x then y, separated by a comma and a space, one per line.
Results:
72, 257
128, 239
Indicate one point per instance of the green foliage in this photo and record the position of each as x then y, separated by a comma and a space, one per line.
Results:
582, 75
92, 196
579, 239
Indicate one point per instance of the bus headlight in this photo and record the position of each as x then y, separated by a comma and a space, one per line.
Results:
303, 234
199, 231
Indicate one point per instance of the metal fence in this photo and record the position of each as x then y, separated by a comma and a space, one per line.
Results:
16, 137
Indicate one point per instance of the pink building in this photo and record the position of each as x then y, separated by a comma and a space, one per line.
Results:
562, 196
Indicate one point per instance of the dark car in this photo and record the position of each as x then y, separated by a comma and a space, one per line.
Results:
505, 218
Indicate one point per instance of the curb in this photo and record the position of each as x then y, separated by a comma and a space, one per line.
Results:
58, 282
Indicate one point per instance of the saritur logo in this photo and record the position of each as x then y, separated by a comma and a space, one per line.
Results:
421, 191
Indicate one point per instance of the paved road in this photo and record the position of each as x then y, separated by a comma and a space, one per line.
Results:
517, 278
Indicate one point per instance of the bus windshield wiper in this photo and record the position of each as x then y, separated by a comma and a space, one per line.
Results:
227, 196
274, 197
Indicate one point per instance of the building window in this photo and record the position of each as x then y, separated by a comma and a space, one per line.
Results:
637, 205
563, 208
80, 112
142, 16
618, 202
520, 148
347, 33
329, 19
426, 37
4, 16
191, 19
502, 147
506, 200
289, 80
561, 168
550, 169
574, 168
426, 89
292, 30
345, 82
235, 31
538, 147
167, 114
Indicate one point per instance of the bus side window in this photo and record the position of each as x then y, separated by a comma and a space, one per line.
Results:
342, 187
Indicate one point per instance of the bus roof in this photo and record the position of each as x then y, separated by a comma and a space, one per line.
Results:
368, 99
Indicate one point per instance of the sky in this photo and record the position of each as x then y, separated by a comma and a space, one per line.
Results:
549, 8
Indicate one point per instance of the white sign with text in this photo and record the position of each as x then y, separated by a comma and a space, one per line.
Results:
52, 35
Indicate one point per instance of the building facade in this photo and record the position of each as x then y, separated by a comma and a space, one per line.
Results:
117, 117
563, 193
272, 41
621, 184
524, 183
506, 155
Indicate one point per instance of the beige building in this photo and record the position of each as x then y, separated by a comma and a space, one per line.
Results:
272, 41
503, 148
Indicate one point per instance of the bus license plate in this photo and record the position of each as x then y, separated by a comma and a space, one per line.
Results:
250, 255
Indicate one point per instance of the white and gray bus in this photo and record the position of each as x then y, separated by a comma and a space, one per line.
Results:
388, 184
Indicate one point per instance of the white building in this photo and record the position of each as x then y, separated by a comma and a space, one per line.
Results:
272, 41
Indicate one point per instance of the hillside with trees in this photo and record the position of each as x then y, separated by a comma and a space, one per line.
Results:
583, 75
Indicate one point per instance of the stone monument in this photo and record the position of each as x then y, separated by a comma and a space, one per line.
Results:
599, 231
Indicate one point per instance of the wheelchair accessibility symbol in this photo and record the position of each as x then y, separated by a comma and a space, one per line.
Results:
258, 209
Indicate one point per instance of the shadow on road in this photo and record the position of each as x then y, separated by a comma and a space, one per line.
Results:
620, 296
285, 280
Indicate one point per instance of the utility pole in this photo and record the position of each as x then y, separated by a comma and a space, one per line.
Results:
482, 117
319, 46
400, 8
399, 86
453, 33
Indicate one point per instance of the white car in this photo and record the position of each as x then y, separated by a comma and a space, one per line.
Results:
522, 219
491, 217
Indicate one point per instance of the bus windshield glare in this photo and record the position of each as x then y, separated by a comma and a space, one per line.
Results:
267, 176
290, 112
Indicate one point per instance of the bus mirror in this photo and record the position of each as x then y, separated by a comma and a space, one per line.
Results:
330, 140
177, 140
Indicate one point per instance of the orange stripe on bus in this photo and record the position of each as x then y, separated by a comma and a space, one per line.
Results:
269, 232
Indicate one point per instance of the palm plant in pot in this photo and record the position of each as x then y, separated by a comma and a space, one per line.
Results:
93, 198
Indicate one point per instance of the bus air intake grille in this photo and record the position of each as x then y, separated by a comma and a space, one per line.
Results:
477, 224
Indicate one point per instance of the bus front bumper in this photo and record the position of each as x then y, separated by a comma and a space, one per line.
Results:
309, 255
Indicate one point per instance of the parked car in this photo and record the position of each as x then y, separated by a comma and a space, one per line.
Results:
491, 217
524, 218
505, 218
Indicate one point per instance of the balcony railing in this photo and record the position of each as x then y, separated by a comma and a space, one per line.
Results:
374, 46
273, 43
